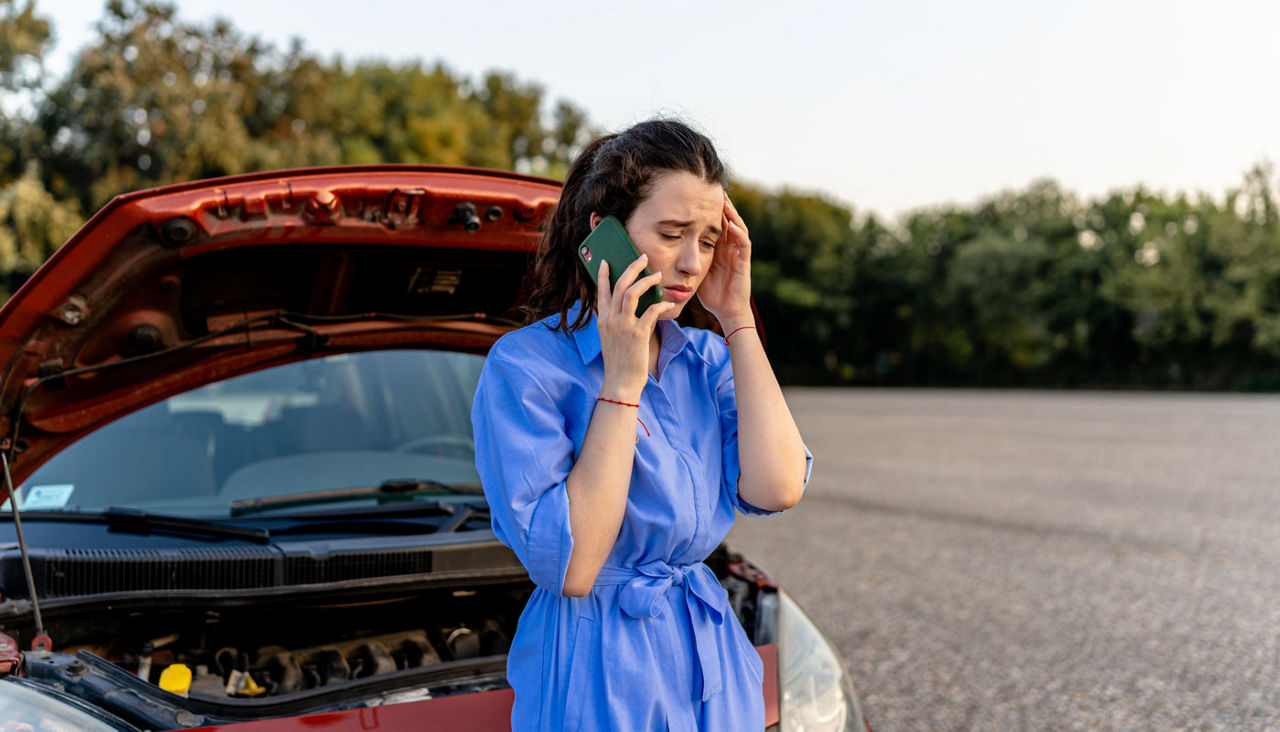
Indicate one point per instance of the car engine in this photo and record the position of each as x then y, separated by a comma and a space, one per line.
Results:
263, 650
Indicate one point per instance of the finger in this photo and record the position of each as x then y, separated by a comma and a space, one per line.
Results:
740, 234
631, 298
732, 212
725, 260
655, 311
643, 284
630, 274
628, 278
732, 232
603, 295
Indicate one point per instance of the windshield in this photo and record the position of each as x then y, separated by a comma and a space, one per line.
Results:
342, 421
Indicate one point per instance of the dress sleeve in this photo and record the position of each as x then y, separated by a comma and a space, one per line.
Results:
727, 405
523, 456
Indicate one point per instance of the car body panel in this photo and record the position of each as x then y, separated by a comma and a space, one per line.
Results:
480, 712
124, 274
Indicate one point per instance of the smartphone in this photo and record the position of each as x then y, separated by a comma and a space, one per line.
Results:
609, 242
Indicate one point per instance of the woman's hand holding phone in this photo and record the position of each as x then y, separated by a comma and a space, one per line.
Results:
625, 339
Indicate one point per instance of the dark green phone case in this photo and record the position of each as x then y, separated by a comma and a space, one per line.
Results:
609, 242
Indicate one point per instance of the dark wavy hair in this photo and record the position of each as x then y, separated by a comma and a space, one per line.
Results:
611, 176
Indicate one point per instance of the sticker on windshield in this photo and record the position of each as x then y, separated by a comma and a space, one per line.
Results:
40, 497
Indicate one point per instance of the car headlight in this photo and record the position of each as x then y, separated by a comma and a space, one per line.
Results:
817, 695
24, 708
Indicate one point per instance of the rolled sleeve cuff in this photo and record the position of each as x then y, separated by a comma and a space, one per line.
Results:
550, 540
752, 510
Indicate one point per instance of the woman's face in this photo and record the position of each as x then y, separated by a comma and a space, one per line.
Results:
677, 226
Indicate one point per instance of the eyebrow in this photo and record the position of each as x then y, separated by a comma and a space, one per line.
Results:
685, 224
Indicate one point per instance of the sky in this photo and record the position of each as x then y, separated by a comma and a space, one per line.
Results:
887, 106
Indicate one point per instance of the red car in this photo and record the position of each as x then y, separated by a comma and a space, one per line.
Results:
236, 418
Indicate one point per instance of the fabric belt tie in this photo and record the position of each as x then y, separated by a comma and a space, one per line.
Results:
643, 596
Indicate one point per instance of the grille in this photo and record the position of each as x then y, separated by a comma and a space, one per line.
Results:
74, 572
91, 571
305, 570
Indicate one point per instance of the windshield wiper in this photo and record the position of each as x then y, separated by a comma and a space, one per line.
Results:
133, 521
388, 490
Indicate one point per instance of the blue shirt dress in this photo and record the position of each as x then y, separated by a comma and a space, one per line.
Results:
654, 645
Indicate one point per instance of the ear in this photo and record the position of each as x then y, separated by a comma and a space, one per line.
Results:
595, 220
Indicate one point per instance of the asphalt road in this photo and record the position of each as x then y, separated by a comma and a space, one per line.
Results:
1040, 560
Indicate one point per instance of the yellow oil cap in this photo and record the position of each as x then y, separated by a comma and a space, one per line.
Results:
250, 687
176, 679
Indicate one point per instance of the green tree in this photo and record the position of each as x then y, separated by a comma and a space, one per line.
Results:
32, 222
24, 37
995, 290
152, 100
805, 256
32, 225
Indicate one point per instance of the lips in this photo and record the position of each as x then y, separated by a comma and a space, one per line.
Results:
678, 293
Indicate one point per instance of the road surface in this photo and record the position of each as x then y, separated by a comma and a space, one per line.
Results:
1040, 560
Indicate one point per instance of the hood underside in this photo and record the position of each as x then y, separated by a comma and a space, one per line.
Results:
167, 289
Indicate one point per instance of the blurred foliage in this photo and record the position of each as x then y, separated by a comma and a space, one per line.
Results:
154, 99
1025, 288
24, 36
32, 225
1032, 287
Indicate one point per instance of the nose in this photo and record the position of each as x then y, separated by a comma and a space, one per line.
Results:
690, 261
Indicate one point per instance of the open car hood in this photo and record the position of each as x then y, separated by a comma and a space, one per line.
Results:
167, 289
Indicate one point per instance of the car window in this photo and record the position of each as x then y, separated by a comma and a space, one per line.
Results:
341, 421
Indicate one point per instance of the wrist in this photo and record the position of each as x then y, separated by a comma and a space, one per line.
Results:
618, 394
729, 324
739, 333
619, 402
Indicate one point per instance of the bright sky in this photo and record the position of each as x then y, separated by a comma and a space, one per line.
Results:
886, 106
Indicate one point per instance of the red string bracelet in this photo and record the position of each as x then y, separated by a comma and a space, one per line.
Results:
627, 404
615, 401
735, 330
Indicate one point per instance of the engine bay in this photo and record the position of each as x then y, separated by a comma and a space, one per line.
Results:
260, 651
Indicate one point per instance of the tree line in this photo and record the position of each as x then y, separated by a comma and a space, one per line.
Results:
1032, 287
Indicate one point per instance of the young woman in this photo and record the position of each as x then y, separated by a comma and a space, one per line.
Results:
614, 450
